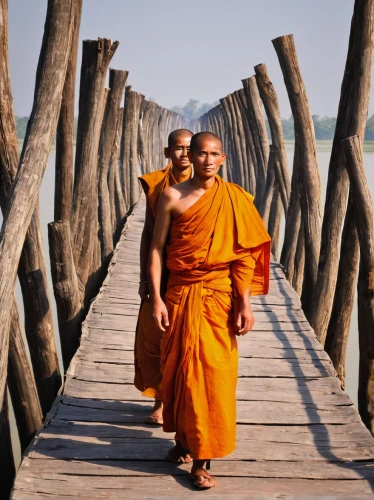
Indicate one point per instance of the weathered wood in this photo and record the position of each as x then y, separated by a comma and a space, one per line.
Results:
8, 470
270, 99
269, 190
259, 135
129, 145
108, 143
351, 120
363, 211
310, 198
299, 261
39, 136
68, 293
32, 270
180, 487
21, 384
293, 223
340, 320
276, 212
64, 165
292, 470
95, 62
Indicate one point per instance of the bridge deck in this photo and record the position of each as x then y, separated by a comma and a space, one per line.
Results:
298, 435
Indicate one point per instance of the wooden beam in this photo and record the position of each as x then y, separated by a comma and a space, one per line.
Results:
117, 82
64, 165
351, 120
49, 84
310, 195
96, 57
270, 99
364, 220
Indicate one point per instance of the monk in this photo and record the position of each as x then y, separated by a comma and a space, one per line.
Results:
148, 336
218, 254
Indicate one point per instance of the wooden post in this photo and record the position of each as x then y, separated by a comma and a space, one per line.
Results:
32, 270
232, 142
50, 79
21, 384
276, 211
117, 203
68, 294
340, 321
97, 271
65, 130
259, 134
304, 136
250, 147
364, 219
293, 221
351, 120
96, 57
8, 470
129, 146
117, 81
299, 262
269, 190
270, 100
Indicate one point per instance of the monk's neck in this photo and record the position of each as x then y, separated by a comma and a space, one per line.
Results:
200, 183
181, 175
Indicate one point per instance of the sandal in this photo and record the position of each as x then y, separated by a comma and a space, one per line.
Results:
203, 480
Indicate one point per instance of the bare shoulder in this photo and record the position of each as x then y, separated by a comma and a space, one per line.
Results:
177, 191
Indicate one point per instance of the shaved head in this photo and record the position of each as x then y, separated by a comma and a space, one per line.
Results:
176, 134
200, 136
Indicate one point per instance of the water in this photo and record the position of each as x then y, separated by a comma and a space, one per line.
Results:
46, 215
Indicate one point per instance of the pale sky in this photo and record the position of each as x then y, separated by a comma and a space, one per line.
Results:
199, 49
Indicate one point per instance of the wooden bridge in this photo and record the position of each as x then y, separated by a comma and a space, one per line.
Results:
298, 434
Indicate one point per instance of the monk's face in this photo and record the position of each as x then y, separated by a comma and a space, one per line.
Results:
207, 157
178, 152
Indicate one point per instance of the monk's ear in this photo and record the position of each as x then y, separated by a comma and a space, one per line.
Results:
189, 155
223, 158
166, 153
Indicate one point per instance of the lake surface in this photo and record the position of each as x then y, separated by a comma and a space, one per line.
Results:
324, 152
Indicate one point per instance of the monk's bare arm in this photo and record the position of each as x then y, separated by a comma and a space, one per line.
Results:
160, 233
145, 243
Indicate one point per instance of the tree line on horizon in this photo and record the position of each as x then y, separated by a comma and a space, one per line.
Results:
324, 126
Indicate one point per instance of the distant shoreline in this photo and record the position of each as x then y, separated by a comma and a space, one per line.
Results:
325, 145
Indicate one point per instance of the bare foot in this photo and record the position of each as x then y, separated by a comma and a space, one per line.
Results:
178, 454
155, 418
200, 476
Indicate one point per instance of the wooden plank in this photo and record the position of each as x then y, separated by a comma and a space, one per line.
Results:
91, 448
248, 412
168, 486
323, 436
225, 468
248, 367
245, 392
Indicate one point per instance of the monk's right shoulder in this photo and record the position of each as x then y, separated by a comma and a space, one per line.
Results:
171, 194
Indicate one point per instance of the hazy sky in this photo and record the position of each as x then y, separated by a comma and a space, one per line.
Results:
198, 49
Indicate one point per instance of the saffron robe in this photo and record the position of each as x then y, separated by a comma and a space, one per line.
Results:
218, 247
148, 336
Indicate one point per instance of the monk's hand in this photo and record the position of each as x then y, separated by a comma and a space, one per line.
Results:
243, 316
144, 291
160, 314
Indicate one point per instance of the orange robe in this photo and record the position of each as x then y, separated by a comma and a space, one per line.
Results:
217, 247
148, 336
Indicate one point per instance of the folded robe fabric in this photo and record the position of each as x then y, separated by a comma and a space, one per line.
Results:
218, 247
148, 336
